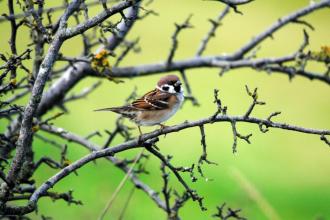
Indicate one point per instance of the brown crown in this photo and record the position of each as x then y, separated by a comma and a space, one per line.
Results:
169, 79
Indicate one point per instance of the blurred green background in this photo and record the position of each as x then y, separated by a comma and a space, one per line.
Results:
289, 171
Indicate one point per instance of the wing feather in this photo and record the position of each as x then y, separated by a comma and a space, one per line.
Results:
153, 100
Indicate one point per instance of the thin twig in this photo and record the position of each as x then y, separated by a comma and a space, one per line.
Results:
178, 28
215, 24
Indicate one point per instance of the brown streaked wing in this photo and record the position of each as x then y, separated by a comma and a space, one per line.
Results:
153, 100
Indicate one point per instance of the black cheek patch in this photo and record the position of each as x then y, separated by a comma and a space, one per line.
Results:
177, 88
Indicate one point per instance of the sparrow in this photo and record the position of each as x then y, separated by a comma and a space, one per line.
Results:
156, 106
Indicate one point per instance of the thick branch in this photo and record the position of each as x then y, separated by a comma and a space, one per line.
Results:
81, 28
74, 74
215, 62
25, 137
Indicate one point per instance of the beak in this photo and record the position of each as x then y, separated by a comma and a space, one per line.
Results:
178, 83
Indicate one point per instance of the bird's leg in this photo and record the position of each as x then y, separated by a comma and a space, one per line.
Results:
140, 137
140, 130
162, 127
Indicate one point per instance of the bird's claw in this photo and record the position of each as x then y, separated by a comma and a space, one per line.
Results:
162, 127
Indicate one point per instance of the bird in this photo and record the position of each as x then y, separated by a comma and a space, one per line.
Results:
156, 106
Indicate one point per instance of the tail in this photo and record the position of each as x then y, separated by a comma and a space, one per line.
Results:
125, 111
112, 109
105, 109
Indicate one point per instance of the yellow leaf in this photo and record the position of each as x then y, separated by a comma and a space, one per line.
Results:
66, 162
35, 128
13, 81
326, 50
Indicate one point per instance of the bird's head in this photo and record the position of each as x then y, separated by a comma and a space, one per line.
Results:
170, 84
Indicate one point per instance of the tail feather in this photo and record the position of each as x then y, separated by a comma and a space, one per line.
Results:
104, 109
112, 109
123, 110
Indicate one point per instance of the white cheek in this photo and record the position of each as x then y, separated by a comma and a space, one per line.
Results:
171, 90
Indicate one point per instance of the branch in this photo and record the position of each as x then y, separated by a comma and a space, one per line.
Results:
73, 75
279, 24
12, 41
49, 161
53, 195
203, 157
229, 214
178, 28
255, 102
23, 148
81, 28
238, 135
234, 3
323, 138
215, 62
83, 94
215, 24
128, 47
165, 190
188, 95
47, 10
192, 193
71, 137
136, 144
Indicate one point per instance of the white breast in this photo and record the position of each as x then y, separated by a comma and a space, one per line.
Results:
176, 107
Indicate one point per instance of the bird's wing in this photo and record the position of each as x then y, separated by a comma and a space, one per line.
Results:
153, 100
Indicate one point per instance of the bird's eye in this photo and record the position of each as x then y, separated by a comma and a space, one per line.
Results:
177, 88
165, 88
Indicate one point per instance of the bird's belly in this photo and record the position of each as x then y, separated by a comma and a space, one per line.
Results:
149, 118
